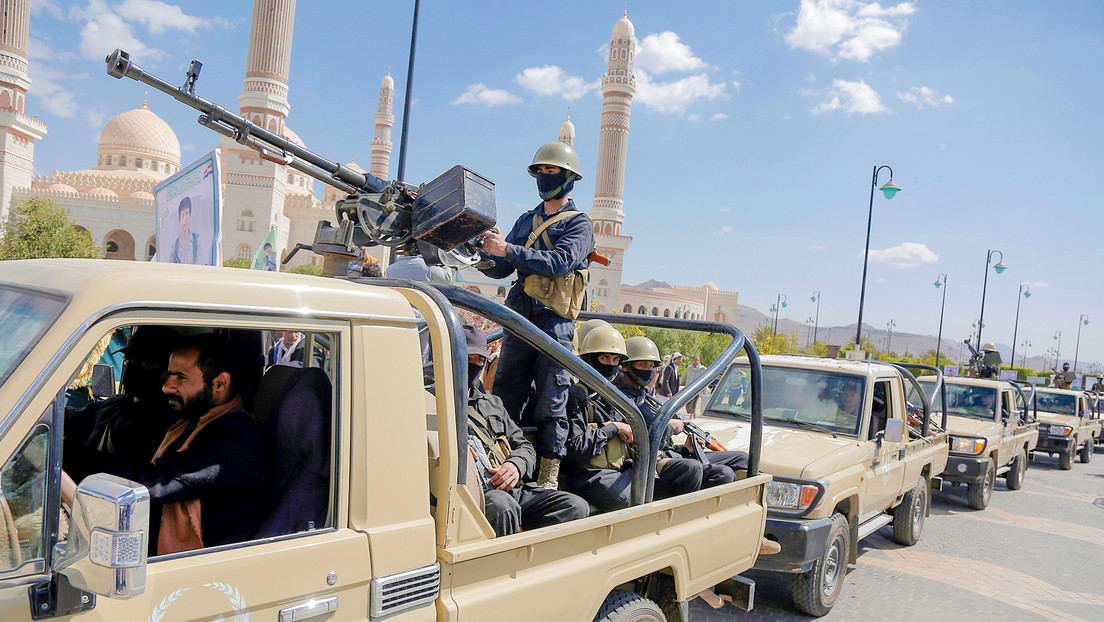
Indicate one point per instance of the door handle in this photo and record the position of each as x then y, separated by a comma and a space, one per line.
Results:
308, 610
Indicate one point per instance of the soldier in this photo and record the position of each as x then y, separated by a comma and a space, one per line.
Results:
1064, 379
990, 361
553, 240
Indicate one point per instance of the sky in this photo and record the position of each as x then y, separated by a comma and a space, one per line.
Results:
756, 127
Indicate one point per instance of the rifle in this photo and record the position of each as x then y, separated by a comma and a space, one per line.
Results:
697, 434
438, 220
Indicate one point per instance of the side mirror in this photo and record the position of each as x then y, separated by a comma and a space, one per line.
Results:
106, 550
895, 430
103, 380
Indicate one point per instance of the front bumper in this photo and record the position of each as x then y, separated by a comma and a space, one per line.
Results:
1054, 444
963, 470
803, 542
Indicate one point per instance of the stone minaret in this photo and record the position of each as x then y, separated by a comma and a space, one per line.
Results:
567, 133
381, 144
250, 183
618, 87
18, 132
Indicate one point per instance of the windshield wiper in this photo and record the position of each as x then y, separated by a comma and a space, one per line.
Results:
731, 413
805, 424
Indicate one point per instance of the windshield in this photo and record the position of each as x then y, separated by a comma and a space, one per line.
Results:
24, 318
969, 401
1057, 403
831, 401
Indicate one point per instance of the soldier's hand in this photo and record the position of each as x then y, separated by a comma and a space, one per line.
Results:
494, 243
505, 477
690, 440
676, 426
624, 431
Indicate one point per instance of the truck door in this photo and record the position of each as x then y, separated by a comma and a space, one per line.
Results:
296, 565
885, 472
1011, 418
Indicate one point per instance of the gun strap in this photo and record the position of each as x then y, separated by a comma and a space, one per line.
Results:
540, 225
482, 427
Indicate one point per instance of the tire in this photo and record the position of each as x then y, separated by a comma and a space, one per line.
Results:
978, 495
908, 518
623, 606
1065, 460
1087, 451
1014, 478
815, 592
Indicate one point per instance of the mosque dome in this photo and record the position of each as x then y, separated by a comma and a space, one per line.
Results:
353, 166
711, 287
142, 194
138, 133
61, 188
107, 192
567, 132
387, 82
292, 136
624, 27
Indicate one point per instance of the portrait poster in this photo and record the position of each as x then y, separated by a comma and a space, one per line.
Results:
189, 214
950, 370
1009, 374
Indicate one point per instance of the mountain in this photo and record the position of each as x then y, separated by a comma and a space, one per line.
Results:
652, 284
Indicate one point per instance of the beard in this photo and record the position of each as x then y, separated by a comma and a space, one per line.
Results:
192, 406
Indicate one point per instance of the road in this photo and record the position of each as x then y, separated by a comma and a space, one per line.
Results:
1033, 554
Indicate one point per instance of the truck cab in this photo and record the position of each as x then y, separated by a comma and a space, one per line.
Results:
848, 454
1068, 424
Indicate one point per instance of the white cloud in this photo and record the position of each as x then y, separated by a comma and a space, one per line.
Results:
675, 97
105, 31
44, 50
49, 89
851, 97
881, 279
907, 255
692, 117
109, 27
724, 230
720, 116
96, 116
848, 29
38, 7
724, 209
159, 16
817, 247
552, 81
663, 52
480, 94
924, 97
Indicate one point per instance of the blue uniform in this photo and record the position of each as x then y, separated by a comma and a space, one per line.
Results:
524, 374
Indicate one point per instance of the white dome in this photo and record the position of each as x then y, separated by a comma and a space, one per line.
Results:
61, 187
624, 27
292, 136
711, 287
103, 191
567, 132
352, 164
142, 194
387, 82
140, 133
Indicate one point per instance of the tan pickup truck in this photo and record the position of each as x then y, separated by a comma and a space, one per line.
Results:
394, 530
845, 457
1068, 424
991, 434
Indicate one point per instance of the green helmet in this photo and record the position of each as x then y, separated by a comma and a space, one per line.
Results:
604, 340
641, 349
584, 328
989, 347
557, 154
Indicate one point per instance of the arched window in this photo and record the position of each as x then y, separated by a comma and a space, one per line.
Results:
246, 221
122, 160
290, 178
677, 312
151, 247
655, 311
153, 165
108, 161
627, 309
118, 244
603, 288
112, 246
666, 313
641, 310
137, 162
245, 251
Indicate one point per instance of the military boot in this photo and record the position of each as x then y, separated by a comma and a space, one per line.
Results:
549, 475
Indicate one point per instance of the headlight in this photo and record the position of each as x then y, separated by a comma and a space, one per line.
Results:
1060, 430
970, 445
791, 495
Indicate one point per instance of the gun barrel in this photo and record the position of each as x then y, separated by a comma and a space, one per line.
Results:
245, 132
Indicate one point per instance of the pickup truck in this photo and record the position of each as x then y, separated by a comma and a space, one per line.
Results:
1068, 424
848, 456
398, 531
991, 434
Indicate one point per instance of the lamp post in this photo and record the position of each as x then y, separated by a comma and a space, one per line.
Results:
889, 189
816, 319
779, 304
890, 325
943, 305
808, 323
1026, 344
1000, 267
1057, 336
1025, 289
1083, 320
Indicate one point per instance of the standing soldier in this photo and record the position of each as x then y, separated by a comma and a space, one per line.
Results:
1064, 379
549, 248
694, 370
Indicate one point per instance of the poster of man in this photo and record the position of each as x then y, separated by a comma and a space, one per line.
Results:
189, 214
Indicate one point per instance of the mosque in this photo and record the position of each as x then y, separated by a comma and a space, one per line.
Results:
113, 200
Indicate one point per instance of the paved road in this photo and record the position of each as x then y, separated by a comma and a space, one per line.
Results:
1033, 554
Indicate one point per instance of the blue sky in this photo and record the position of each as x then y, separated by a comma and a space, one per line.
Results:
754, 133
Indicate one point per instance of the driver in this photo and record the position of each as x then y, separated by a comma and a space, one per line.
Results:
850, 406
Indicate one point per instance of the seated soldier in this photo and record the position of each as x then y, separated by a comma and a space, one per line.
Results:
850, 405
507, 461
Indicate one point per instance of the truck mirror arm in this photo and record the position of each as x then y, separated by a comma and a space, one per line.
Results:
938, 388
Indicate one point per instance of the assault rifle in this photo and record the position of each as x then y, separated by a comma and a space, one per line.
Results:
438, 220
700, 437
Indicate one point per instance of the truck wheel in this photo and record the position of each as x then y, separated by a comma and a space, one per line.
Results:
815, 592
1087, 451
908, 518
978, 494
623, 606
1014, 478
1065, 460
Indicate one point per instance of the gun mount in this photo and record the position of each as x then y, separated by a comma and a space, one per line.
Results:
438, 220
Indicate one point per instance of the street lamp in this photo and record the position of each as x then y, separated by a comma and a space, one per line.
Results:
779, 304
1025, 289
1058, 336
939, 340
890, 189
1025, 345
816, 320
1083, 320
1000, 267
889, 339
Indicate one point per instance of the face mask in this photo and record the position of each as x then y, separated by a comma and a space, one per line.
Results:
640, 377
554, 185
607, 371
475, 373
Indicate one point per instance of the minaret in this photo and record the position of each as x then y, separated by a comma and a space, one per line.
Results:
381, 144
567, 133
618, 87
250, 183
18, 132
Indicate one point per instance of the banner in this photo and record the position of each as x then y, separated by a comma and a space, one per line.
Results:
950, 370
188, 209
1009, 374
265, 259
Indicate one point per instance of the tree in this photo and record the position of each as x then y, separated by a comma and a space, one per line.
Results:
307, 268
37, 228
237, 262
768, 342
